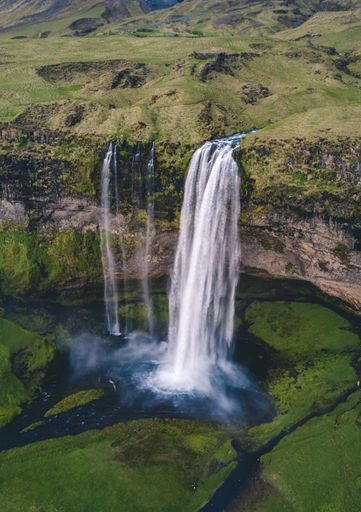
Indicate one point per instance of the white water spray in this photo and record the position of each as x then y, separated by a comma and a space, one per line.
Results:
110, 283
205, 274
148, 242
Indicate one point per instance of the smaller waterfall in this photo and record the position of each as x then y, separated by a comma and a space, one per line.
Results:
116, 178
136, 177
110, 283
148, 241
122, 250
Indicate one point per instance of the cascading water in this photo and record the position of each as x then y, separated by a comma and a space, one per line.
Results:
194, 370
122, 250
205, 274
110, 283
148, 242
116, 178
136, 177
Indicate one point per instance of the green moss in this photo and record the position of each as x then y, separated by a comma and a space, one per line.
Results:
23, 358
86, 163
247, 181
318, 466
75, 400
71, 255
312, 362
32, 262
17, 266
302, 389
14, 338
32, 426
300, 328
41, 323
299, 174
134, 313
163, 465
290, 268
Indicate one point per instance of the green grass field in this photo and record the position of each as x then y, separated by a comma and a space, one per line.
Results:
307, 93
148, 465
312, 91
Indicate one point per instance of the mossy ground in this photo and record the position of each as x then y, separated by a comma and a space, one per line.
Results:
312, 363
75, 400
296, 329
133, 313
175, 465
317, 467
24, 356
148, 465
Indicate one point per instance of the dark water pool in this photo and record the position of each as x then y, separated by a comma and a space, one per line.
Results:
89, 358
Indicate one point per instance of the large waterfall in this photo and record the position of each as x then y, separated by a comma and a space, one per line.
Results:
205, 274
110, 283
149, 235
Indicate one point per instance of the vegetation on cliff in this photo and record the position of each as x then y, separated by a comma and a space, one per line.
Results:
24, 357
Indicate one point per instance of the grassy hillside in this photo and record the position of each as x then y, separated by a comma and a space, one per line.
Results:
17, 15
186, 90
292, 69
80, 17
164, 465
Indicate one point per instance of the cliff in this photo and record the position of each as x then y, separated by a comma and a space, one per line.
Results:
300, 210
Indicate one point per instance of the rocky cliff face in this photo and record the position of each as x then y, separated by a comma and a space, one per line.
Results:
300, 212
322, 252
302, 217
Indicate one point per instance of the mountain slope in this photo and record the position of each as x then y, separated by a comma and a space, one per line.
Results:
81, 17
141, 84
19, 13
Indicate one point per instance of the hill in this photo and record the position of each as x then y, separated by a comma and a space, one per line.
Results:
290, 67
81, 17
87, 15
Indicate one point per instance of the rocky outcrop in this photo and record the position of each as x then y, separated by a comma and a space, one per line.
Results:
226, 63
254, 92
110, 74
302, 214
84, 26
322, 252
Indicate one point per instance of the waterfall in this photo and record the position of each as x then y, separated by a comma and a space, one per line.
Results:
116, 183
122, 249
148, 241
110, 283
205, 274
136, 177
